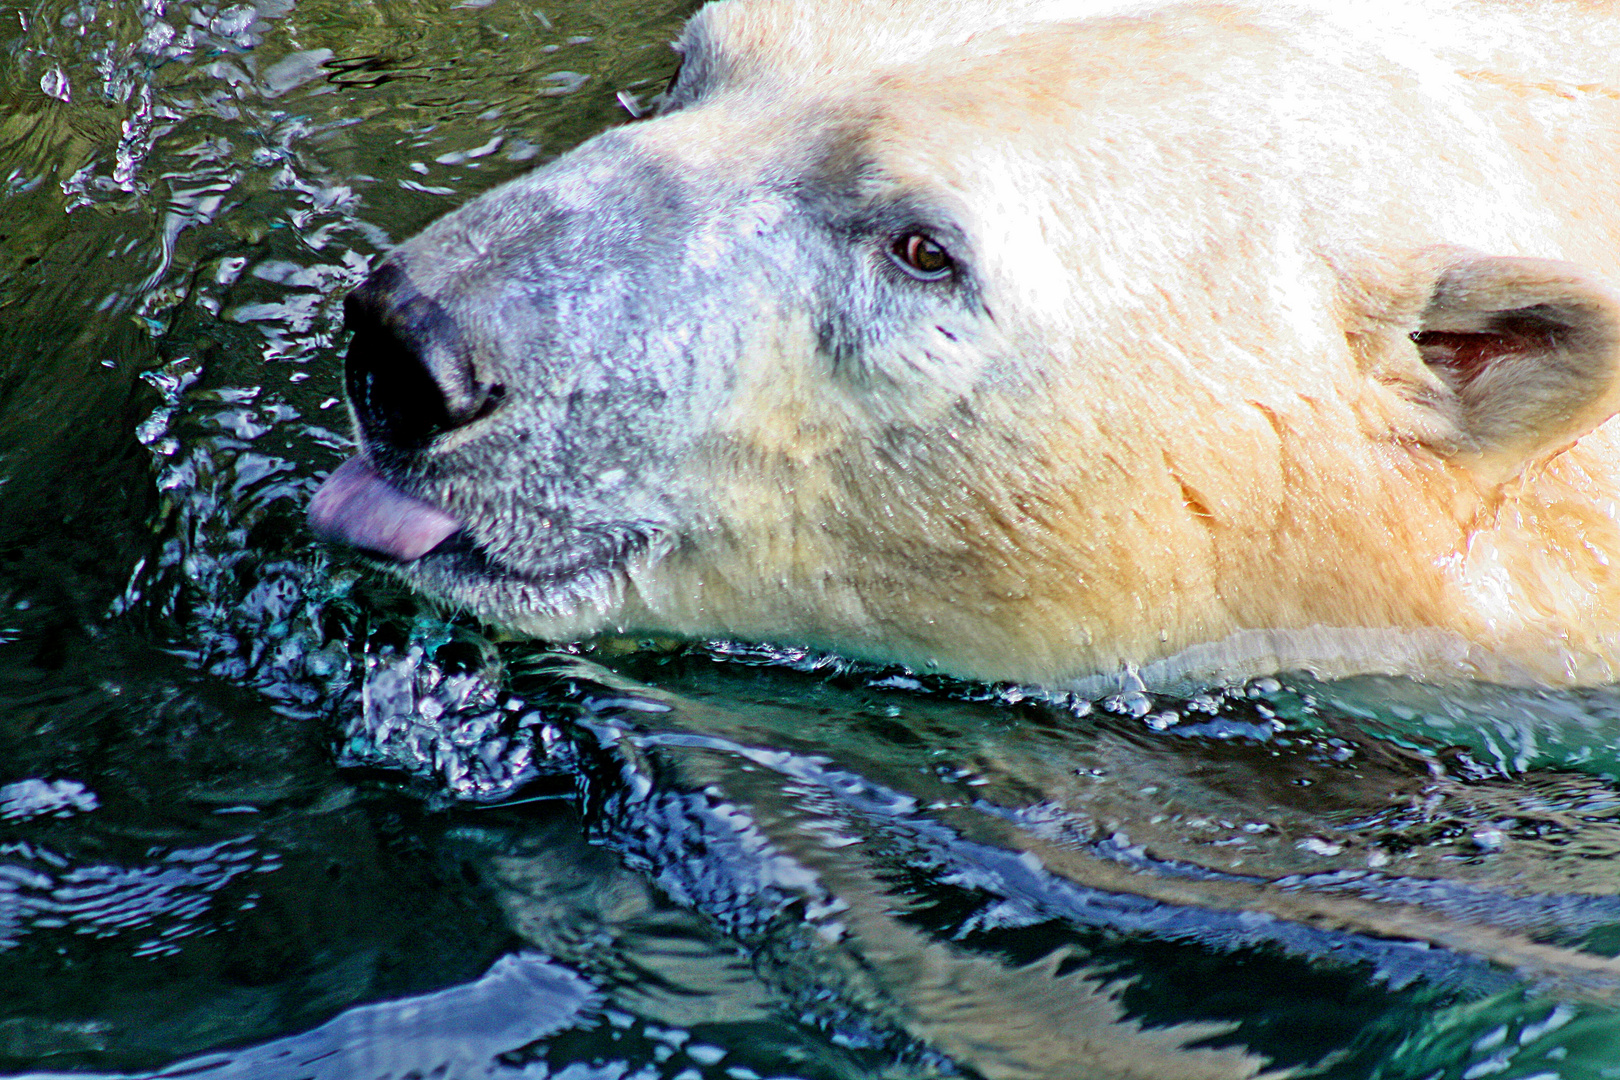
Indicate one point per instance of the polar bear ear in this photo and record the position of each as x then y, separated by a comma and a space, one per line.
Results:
1529, 350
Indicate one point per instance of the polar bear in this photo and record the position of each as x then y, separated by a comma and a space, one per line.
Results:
1038, 340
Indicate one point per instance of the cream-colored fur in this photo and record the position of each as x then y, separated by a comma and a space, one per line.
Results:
1208, 232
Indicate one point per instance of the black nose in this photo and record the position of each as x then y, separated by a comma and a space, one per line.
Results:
410, 374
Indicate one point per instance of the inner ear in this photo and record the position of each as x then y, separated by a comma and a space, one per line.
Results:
1463, 355
1530, 351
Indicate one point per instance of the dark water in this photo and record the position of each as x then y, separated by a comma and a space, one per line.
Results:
262, 815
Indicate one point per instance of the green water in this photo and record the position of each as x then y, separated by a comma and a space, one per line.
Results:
262, 815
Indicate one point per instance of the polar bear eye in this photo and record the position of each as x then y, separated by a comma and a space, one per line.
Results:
922, 256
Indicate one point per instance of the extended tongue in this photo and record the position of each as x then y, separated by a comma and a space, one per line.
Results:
357, 506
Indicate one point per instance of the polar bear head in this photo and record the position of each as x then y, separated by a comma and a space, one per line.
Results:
1025, 341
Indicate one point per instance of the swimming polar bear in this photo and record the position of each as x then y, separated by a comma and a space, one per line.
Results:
1038, 340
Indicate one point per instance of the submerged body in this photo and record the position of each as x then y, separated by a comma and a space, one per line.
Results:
1034, 340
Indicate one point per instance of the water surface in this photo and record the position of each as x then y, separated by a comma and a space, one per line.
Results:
264, 815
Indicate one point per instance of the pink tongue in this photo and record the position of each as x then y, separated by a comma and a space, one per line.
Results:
359, 507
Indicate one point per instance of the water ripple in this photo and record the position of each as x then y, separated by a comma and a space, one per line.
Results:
151, 906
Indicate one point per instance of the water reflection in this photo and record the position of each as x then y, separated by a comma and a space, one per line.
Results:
170, 898
260, 814
461, 1031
